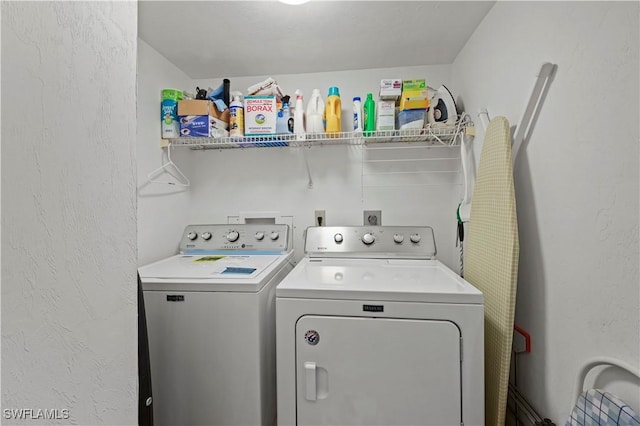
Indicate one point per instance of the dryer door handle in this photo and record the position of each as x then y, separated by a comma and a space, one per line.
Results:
310, 377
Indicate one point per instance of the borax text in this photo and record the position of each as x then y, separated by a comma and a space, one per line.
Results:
267, 108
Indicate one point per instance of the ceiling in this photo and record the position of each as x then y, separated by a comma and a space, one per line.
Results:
212, 39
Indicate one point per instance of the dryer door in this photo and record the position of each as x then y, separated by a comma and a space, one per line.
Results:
377, 371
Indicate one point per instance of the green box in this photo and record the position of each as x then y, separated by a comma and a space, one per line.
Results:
417, 84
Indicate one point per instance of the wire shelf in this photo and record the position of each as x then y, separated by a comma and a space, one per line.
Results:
433, 134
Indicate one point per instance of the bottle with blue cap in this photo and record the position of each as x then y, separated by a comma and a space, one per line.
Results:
357, 114
333, 112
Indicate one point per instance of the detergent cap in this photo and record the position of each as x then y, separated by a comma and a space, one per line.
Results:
333, 90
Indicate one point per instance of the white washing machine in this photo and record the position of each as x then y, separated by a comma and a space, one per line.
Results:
211, 325
373, 330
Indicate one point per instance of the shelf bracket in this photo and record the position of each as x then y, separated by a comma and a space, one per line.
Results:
525, 126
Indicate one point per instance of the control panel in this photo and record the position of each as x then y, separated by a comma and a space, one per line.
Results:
269, 237
408, 242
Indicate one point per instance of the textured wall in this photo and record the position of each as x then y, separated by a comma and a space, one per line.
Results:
577, 181
69, 210
163, 210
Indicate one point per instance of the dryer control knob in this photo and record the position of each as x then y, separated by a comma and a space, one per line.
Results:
233, 236
206, 236
338, 238
274, 235
415, 238
368, 238
192, 235
398, 238
259, 236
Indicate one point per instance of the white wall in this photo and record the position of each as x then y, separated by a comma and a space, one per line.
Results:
226, 182
69, 313
576, 181
163, 210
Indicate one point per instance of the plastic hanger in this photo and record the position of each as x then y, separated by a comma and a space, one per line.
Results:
180, 178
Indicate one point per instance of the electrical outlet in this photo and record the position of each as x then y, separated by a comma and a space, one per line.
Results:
319, 218
372, 218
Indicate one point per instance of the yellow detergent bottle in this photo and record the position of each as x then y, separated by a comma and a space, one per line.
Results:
333, 112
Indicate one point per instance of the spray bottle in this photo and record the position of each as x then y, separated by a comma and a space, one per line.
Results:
282, 121
236, 115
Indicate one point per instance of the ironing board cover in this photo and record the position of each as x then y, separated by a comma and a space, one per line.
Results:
600, 408
491, 261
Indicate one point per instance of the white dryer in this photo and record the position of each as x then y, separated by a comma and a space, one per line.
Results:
373, 330
211, 325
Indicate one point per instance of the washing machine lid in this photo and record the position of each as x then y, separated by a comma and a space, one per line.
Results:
212, 272
377, 279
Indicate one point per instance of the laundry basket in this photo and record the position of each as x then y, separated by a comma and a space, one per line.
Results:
598, 407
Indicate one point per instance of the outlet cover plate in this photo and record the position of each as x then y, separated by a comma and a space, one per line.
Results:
372, 218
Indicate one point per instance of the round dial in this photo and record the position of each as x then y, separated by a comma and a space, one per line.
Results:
415, 238
338, 238
233, 236
206, 236
259, 235
274, 235
192, 235
398, 238
368, 238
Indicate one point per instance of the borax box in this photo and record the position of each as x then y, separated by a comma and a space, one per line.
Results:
260, 115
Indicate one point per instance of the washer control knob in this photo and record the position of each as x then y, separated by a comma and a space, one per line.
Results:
338, 238
192, 235
274, 235
398, 238
233, 236
259, 235
206, 236
415, 238
368, 238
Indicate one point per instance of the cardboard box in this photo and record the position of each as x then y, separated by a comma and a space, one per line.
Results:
414, 99
385, 119
202, 126
260, 113
202, 107
417, 84
390, 88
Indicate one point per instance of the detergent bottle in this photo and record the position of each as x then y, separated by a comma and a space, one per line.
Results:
333, 112
369, 115
315, 113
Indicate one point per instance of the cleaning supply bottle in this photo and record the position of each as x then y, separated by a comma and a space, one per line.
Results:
298, 117
357, 114
236, 115
282, 120
315, 113
369, 115
170, 125
333, 112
